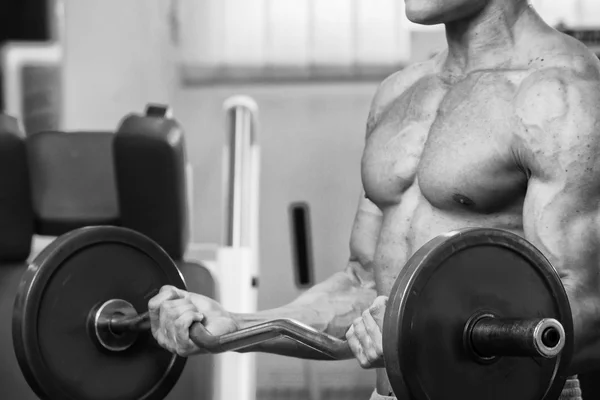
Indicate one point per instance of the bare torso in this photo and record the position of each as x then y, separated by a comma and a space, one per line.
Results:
446, 153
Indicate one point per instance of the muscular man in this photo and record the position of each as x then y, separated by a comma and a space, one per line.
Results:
501, 130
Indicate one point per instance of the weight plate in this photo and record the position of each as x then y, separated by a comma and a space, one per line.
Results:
51, 335
446, 282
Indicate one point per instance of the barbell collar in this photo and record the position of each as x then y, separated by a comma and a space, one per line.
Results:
496, 337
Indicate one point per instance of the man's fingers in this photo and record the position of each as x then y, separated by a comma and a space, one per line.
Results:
366, 342
176, 304
356, 348
155, 303
179, 292
166, 293
166, 288
377, 309
182, 324
161, 336
174, 324
350, 332
373, 331
171, 311
172, 308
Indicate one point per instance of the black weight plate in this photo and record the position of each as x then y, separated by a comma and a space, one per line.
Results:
72, 276
447, 281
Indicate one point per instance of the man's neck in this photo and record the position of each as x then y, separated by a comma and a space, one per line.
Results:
486, 39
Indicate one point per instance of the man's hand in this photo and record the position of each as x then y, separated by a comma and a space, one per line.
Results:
365, 337
172, 313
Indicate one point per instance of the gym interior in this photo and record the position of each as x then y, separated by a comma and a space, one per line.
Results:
230, 132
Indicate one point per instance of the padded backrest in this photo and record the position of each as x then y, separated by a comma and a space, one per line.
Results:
150, 166
72, 180
16, 214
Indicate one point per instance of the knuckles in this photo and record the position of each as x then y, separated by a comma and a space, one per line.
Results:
372, 355
166, 288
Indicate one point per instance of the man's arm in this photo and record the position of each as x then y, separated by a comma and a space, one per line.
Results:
560, 111
333, 304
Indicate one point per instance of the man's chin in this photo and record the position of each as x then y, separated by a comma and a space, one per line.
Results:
422, 18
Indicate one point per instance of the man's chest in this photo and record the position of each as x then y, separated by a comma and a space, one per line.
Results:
455, 140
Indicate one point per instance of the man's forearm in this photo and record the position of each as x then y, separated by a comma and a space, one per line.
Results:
328, 307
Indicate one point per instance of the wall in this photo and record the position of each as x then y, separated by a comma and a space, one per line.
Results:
115, 62
296, 33
574, 13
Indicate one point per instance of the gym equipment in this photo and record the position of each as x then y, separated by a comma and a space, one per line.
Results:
16, 211
72, 180
149, 156
61, 350
479, 313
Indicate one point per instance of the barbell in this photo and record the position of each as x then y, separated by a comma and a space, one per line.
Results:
475, 313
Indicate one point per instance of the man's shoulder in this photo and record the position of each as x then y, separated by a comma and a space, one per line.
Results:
562, 75
559, 104
560, 57
395, 84
399, 82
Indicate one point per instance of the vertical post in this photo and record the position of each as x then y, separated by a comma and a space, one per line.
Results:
239, 180
56, 20
238, 257
303, 260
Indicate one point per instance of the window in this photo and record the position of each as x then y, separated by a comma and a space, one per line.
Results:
271, 40
572, 13
292, 39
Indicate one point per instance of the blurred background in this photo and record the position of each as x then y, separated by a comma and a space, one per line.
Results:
311, 65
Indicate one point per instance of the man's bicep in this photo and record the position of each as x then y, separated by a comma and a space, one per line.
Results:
561, 207
560, 111
364, 236
562, 222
